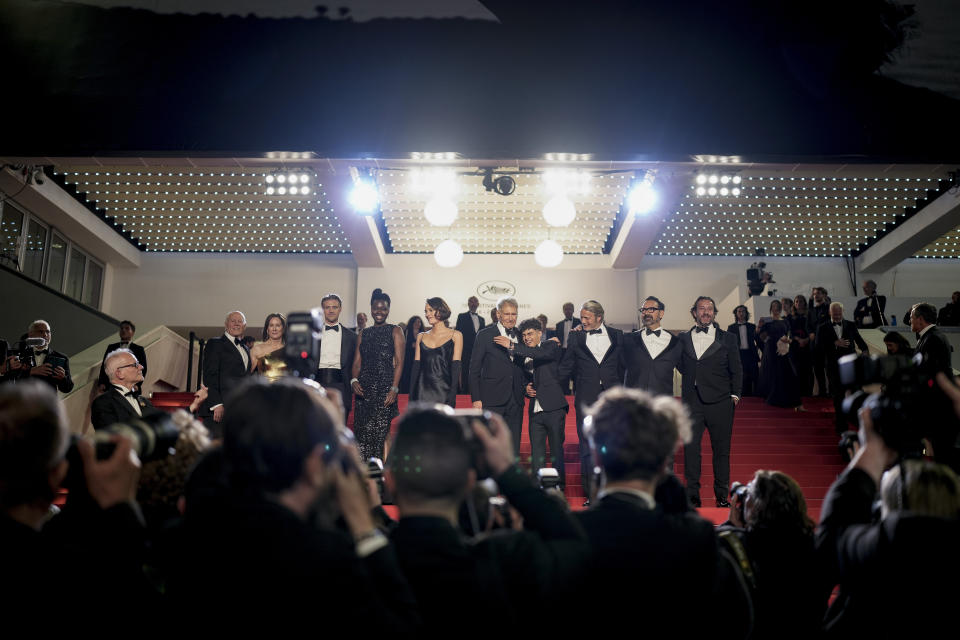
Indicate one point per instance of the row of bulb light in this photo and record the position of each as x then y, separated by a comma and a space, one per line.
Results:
283, 183
716, 184
439, 187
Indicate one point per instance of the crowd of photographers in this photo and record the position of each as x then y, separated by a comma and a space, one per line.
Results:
282, 523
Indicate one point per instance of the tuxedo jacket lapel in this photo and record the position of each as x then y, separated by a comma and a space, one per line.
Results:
614, 341
714, 346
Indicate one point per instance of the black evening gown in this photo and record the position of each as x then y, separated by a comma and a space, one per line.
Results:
802, 357
371, 422
779, 387
433, 384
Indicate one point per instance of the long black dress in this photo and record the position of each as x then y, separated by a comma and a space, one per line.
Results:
802, 357
778, 380
434, 382
372, 419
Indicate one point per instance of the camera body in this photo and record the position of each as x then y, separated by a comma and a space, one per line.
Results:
25, 353
302, 349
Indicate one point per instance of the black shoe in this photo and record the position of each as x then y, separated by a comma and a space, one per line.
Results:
723, 504
586, 502
695, 502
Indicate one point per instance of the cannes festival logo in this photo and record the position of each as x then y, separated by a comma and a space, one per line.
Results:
493, 290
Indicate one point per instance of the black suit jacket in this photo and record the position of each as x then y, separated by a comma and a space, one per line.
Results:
558, 331
348, 351
591, 377
138, 353
643, 372
751, 339
717, 375
826, 337
936, 350
223, 371
546, 382
111, 407
465, 326
496, 379
64, 386
862, 311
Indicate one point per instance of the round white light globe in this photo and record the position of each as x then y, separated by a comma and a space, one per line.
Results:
364, 197
548, 254
448, 254
440, 212
269, 179
701, 179
282, 191
281, 178
559, 212
304, 178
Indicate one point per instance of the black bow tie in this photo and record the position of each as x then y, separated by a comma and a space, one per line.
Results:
335, 327
701, 329
128, 394
656, 333
42, 351
237, 341
594, 332
838, 324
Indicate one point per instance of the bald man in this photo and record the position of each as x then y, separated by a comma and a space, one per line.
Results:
226, 362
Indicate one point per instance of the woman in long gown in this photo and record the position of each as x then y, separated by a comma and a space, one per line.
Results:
377, 367
800, 352
779, 381
436, 366
412, 330
266, 357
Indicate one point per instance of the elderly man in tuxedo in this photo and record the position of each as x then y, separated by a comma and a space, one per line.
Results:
497, 378
469, 324
120, 402
127, 330
593, 359
712, 381
226, 362
52, 367
836, 339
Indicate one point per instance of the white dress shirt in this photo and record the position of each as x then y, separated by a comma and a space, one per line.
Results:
655, 344
743, 335
702, 341
330, 349
129, 398
598, 343
243, 352
476, 321
838, 329
567, 327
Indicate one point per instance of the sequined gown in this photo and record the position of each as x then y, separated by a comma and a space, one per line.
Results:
433, 383
371, 423
272, 366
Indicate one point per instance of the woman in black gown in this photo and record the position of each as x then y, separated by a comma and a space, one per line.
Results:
414, 327
777, 377
800, 351
377, 367
436, 366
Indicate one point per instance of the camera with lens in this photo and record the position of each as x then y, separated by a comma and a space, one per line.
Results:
301, 351
25, 352
901, 410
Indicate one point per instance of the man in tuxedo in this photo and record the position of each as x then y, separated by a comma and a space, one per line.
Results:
593, 359
336, 356
497, 378
868, 313
949, 316
935, 357
226, 362
712, 383
746, 334
818, 314
562, 333
548, 406
127, 330
120, 402
52, 367
469, 324
836, 339
651, 354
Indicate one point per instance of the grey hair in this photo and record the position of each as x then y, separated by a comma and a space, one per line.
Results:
836, 304
593, 307
508, 301
109, 366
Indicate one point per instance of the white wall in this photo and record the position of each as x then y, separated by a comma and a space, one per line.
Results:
182, 289
410, 279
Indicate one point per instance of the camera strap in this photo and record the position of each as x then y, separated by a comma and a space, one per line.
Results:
734, 544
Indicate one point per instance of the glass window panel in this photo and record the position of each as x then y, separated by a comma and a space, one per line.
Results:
58, 262
78, 263
92, 284
36, 246
11, 226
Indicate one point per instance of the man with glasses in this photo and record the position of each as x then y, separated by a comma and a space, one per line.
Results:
52, 367
651, 354
120, 403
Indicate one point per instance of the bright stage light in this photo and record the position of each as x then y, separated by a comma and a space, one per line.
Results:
563, 181
269, 179
559, 212
713, 179
548, 254
701, 191
282, 191
441, 212
702, 179
448, 254
642, 199
364, 197
281, 178
271, 191
304, 178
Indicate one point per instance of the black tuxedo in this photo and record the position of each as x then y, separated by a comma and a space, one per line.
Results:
547, 424
497, 379
708, 384
590, 378
64, 386
942, 428
223, 371
111, 407
465, 326
749, 357
830, 354
874, 311
348, 351
817, 316
138, 353
935, 349
651, 374
558, 331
